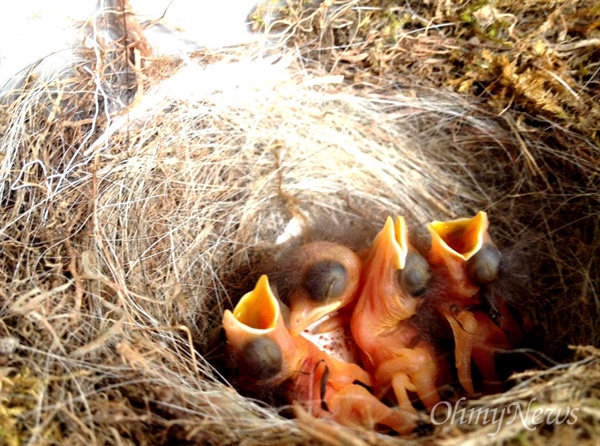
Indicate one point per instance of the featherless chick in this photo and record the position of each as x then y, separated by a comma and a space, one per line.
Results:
393, 350
271, 356
465, 265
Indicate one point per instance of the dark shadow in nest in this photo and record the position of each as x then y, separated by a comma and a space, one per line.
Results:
281, 267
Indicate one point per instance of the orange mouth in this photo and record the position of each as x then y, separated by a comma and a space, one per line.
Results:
258, 309
460, 238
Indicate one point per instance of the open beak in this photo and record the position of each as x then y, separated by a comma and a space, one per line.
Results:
464, 249
460, 238
453, 243
256, 332
256, 314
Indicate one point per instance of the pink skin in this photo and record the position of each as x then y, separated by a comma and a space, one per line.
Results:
382, 328
325, 386
476, 336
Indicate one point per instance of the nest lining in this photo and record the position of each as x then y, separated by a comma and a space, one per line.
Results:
127, 231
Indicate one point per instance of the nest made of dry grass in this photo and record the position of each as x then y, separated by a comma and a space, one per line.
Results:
536, 57
135, 211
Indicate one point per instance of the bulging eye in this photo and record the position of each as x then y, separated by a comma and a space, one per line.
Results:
414, 278
260, 359
325, 280
484, 267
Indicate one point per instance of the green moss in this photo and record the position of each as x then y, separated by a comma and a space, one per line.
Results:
18, 394
467, 16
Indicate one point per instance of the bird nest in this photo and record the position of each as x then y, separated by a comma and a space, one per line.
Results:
139, 195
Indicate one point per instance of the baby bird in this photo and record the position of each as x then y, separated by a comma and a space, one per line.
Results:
465, 264
330, 275
316, 277
270, 356
393, 349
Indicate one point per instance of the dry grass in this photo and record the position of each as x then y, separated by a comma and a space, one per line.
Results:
138, 199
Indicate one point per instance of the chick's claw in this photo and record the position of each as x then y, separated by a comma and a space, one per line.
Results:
401, 385
464, 328
415, 370
356, 406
